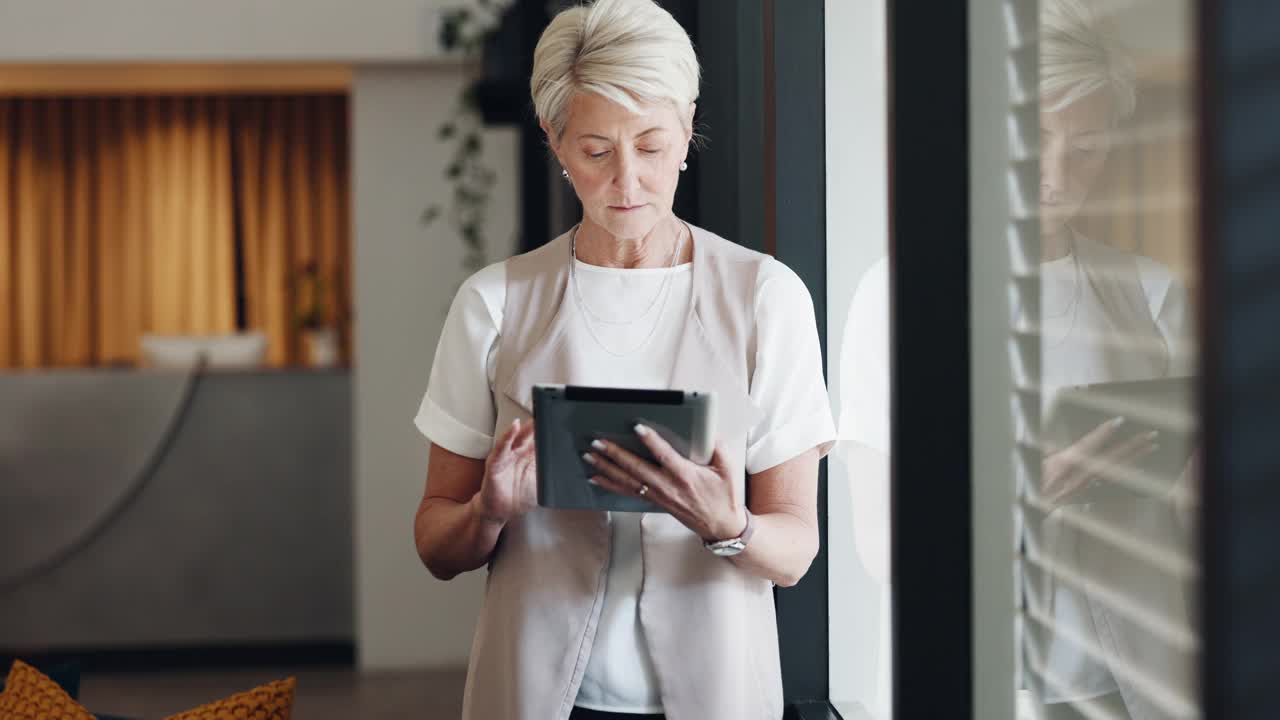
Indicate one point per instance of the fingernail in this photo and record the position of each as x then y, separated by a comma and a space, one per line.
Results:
1117, 422
641, 430
598, 444
593, 481
589, 458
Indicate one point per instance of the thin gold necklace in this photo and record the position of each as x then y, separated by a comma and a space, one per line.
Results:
663, 293
573, 257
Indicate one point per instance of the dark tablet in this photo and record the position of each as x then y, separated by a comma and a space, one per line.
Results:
1165, 405
568, 418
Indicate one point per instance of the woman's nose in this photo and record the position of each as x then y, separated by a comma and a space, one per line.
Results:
1054, 171
626, 173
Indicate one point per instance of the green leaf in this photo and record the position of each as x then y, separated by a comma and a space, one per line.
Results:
450, 32
447, 131
472, 143
470, 99
453, 171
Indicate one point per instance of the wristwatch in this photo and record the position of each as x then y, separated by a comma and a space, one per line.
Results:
732, 546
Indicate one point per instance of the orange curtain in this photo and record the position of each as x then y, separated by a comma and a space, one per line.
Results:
292, 165
115, 219
122, 216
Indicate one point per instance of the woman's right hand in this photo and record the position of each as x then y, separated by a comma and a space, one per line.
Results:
1066, 471
510, 485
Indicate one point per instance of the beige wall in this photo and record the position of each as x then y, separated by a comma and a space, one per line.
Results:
67, 30
405, 278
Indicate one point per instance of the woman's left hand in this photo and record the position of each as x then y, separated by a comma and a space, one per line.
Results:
701, 497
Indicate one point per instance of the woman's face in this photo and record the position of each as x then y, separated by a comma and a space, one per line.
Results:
624, 166
1074, 143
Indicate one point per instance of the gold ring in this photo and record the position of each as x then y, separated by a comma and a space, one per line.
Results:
643, 489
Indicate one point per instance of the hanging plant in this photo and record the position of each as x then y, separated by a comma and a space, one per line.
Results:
465, 30
311, 289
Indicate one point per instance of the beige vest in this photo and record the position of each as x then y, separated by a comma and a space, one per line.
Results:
1134, 349
710, 626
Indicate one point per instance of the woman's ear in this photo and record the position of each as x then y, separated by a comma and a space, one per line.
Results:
553, 141
688, 131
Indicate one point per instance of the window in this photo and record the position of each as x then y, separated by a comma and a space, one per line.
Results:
1097, 308
858, 358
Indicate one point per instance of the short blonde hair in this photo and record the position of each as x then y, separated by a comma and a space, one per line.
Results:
1078, 57
627, 51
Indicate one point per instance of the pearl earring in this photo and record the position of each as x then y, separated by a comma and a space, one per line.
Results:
683, 166
564, 173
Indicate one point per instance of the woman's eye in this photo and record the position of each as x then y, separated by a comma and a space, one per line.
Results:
597, 155
1088, 146
650, 151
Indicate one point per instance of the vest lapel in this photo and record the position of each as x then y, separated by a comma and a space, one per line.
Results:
700, 364
699, 367
548, 359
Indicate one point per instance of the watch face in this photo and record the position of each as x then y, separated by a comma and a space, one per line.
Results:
730, 549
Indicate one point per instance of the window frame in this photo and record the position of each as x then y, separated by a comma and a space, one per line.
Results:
1240, 501
794, 189
929, 242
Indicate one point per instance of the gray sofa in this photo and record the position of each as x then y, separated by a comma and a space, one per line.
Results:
242, 534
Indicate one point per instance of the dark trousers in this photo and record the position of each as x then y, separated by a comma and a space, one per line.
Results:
585, 714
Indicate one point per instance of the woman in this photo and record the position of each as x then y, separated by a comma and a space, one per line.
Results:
1106, 316
593, 615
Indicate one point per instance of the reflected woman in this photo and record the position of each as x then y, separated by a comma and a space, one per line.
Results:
1110, 624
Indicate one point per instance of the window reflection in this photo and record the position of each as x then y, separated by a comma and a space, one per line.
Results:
1107, 524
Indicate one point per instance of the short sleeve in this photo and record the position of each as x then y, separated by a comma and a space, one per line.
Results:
457, 411
787, 382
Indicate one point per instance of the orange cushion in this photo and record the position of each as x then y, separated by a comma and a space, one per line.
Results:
273, 701
30, 695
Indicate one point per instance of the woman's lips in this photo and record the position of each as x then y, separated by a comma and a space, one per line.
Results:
625, 208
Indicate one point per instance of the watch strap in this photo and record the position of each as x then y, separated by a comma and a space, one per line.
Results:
743, 538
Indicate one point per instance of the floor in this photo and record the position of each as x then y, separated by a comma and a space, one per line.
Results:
322, 694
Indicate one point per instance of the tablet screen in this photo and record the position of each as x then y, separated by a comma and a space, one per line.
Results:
568, 418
